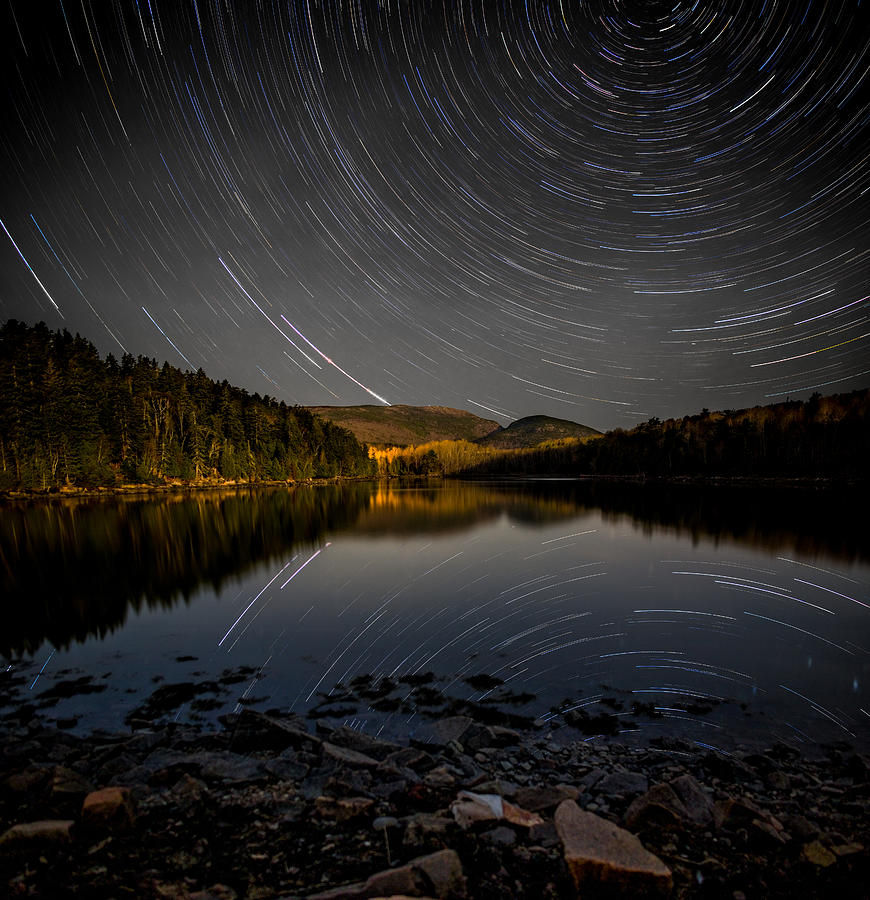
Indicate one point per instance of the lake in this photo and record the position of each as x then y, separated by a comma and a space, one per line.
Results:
717, 614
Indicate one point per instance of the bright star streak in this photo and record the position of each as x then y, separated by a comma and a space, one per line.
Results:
26, 263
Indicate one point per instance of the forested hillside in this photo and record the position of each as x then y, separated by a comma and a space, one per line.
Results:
68, 417
821, 437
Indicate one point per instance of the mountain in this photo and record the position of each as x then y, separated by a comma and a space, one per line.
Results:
400, 426
533, 430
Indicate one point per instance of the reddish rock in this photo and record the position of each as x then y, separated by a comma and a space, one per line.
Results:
438, 875
602, 856
47, 831
110, 807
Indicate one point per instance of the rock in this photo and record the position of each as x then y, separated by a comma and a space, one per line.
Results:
348, 757
110, 807
659, 807
626, 784
539, 799
469, 808
801, 827
736, 812
351, 739
45, 832
65, 783
215, 892
26, 781
601, 855
818, 854
253, 730
695, 800
226, 767
438, 875
342, 809
440, 732
421, 826
286, 769
502, 836
847, 849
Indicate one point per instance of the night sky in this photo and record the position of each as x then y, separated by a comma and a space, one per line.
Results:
602, 211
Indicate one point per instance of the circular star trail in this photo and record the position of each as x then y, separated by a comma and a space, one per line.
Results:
602, 211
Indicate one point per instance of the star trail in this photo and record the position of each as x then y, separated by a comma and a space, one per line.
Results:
603, 211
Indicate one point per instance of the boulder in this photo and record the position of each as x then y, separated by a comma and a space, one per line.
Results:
603, 857
539, 799
440, 732
659, 807
347, 757
44, 832
695, 800
626, 784
110, 807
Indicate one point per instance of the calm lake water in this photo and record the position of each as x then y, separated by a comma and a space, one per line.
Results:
720, 614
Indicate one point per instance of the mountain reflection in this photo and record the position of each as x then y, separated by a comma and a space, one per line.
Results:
72, 569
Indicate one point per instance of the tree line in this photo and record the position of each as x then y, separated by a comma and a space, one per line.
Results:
69, 417
820, 437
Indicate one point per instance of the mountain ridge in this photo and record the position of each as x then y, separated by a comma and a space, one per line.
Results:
403, 425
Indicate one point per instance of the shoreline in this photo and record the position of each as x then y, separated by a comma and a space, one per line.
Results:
266, 808
171, 488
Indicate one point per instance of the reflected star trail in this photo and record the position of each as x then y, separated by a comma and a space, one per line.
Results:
602, 210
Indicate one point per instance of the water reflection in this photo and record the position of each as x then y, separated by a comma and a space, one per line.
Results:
73, 569
598, 607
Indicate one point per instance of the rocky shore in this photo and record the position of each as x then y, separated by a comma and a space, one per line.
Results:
266, 807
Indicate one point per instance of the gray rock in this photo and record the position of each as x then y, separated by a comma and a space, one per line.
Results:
351, 739
625, 784
348, 757
254, 730
440, 732
502, 836
696, 801
659, 807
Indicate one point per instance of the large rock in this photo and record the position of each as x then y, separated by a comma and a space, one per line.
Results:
440, 732
625, 784
42, 833
603, 857
696, 801
659, 807
352, 739
65, 783
347, 757
438, 875
254, 730
539, 799
110, 807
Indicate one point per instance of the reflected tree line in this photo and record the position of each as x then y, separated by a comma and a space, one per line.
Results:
72, 569
69, 417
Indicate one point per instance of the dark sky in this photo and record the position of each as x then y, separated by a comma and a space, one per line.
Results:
602, 211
